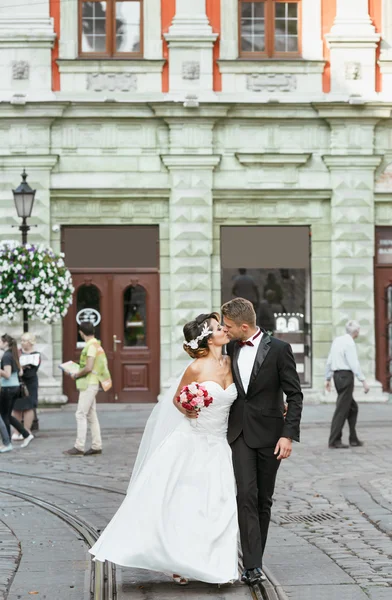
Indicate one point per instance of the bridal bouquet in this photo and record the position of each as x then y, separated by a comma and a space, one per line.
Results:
194, 397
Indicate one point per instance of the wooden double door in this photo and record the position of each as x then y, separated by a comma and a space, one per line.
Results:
383, 301
124, 308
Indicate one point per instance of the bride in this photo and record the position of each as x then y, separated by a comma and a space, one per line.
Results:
180, 514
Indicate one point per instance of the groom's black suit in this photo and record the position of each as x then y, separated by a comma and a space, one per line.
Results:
256, 423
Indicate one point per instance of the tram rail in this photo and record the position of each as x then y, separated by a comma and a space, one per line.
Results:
103, 575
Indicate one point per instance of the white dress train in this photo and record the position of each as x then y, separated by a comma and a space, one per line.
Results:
180, 512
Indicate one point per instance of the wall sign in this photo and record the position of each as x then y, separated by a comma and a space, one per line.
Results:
88, 314
384, 245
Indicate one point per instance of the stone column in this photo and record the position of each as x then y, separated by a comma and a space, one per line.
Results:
39, 168
190, 40
352, 249
353, 42
386, 48
26, 40
191, 237
229, 30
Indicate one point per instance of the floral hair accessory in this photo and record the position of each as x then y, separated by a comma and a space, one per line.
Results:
194, 344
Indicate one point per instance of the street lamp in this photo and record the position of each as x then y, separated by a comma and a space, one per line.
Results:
24, 201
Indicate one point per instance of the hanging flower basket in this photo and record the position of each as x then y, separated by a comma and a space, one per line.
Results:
36, 279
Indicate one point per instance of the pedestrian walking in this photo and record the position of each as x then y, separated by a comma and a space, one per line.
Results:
10, 389
343, 365
93, 370
25, 406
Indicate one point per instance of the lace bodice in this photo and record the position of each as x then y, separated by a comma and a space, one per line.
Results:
213, 419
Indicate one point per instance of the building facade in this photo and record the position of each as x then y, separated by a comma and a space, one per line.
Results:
185, 152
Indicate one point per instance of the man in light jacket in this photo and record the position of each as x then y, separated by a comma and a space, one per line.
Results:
343, 364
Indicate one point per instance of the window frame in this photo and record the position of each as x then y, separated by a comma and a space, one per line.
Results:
110, 53
270, 52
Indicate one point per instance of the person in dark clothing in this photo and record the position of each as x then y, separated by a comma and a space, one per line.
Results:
260, 429
266, 313
10, 389
272, 284
244, 286
30, 361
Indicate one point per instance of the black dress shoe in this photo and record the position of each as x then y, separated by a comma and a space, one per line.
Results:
356, 443
252, 576
338, 445
92, 451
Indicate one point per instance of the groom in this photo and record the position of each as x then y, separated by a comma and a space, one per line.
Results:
260, 436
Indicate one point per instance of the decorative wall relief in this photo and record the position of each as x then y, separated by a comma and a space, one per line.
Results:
353, 70
20, 69
271, 82
191, 70
111, 82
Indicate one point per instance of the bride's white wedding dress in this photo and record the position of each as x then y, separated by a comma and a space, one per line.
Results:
180, 513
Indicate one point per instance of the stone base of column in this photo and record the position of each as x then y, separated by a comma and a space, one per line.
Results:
352, 42
320, 396
51, 392
190, 42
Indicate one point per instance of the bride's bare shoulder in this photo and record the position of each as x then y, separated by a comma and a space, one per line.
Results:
194, 369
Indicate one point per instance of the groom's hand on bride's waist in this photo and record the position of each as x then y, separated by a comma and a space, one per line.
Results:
283, 448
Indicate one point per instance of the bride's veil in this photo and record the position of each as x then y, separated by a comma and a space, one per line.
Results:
164, 419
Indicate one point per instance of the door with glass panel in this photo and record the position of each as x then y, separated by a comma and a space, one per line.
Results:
91, 302
136, 337
115, 271
124, 308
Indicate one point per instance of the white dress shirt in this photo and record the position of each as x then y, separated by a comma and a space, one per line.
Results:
246, 359
343, 357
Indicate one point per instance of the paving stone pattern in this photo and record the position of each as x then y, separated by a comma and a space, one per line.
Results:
332, 520
350, 491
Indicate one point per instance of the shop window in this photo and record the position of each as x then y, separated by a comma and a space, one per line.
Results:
135, 326
270, 266
110, 29
269, 29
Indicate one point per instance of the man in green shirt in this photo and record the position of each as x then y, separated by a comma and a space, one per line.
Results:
87, 382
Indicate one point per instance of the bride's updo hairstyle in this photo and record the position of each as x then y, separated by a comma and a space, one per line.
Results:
194, 329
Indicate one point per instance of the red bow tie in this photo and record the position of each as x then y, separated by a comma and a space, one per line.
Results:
250, 342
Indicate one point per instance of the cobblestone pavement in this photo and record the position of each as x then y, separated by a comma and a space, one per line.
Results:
333, 511
331, 536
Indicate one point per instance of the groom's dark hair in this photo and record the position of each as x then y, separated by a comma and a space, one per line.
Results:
240, 311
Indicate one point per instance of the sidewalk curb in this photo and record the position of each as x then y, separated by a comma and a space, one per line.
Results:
281, 594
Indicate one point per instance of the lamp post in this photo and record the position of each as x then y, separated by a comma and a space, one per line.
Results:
24, 200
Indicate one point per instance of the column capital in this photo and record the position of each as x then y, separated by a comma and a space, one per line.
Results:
352, 162
337, 112
40, 162
190, 161
26, 31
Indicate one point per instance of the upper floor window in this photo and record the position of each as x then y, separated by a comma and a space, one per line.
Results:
269, 28
110, 29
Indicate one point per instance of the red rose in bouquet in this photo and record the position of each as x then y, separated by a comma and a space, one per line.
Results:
194, 397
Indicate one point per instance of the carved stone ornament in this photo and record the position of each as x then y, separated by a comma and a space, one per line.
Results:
191, 70
353, 70
20, 69
111, 82
271, 82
